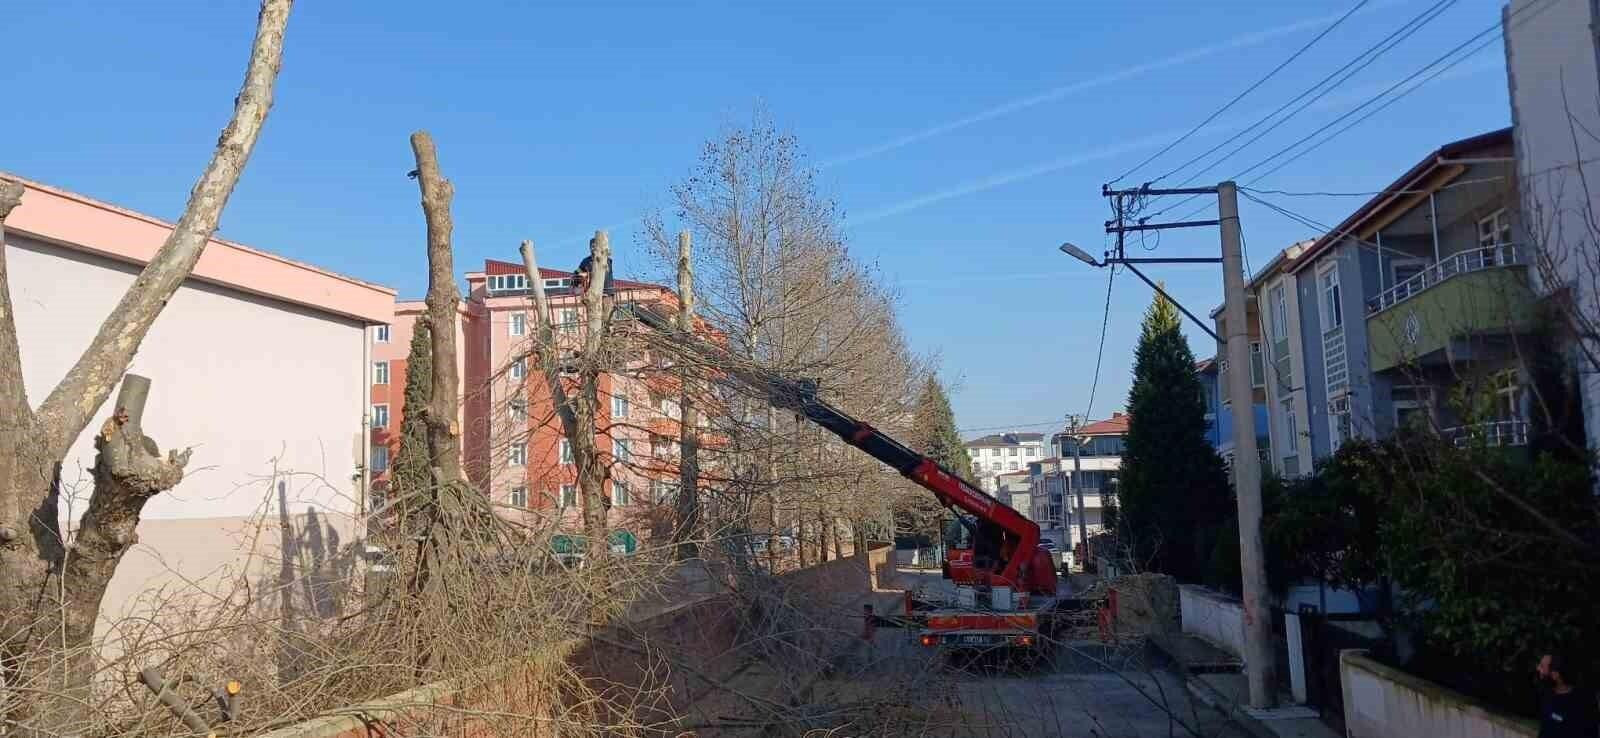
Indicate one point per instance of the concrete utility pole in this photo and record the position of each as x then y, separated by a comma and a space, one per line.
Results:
1077, 487
1259, 658
1258, 654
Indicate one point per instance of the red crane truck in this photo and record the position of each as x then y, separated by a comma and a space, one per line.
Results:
1005, 597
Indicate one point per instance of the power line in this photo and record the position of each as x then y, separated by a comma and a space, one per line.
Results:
1371, 193
1370, 54
1236, 98
1441, 59
1009, 426
1100, 354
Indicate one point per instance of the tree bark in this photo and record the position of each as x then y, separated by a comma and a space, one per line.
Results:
444, 432
43, 618
686, 533
577, 411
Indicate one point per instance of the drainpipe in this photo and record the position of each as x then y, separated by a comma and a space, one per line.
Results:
1433, 215
364, 452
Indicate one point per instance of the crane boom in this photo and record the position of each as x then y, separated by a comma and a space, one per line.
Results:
1005, 544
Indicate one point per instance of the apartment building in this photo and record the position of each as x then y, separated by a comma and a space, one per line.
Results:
513, 444
1408, 315
1213, 375
259, 364
1056, 481
1419, 295
1553, 71
997, 453
391, 351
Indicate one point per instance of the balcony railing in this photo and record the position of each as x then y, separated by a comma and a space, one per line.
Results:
1494, 434
1462, 262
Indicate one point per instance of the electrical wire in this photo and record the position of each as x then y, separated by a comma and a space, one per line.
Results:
1477, 38
1236, 98
1100, 354
1370, 55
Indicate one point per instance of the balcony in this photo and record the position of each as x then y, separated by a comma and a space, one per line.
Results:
1479, 292
1494, 434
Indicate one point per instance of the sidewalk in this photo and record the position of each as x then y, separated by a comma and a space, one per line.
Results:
1214, 677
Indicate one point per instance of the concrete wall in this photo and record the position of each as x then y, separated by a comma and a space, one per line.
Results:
1553, 69
271, 397
683, 652
1213, 616
1383, 702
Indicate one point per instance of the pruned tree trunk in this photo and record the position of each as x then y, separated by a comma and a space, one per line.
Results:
444, 431
50, 586
577, 411
687, 532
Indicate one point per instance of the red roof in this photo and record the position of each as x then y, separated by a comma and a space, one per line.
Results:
493, 267
1116, 425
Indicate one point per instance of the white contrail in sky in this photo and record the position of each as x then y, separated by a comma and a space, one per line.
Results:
1156, 139
1056, 93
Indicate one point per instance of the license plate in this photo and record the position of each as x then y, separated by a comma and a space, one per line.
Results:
976, 640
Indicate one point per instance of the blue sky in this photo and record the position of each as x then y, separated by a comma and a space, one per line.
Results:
963, 141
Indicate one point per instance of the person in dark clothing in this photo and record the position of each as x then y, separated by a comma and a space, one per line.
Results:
1566, 710
580, 278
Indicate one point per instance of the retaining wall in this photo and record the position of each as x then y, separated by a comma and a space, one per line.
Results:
1213, 616
1384, 702
686, 656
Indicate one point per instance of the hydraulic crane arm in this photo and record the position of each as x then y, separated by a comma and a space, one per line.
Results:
1005, 544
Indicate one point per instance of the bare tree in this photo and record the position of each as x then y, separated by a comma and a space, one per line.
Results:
687, 526
50, 585
577, 406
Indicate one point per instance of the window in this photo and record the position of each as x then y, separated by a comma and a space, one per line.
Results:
566, 451
1011, 466
1012, 451
1031, 451
569, 495
569, 320
519, 496
619, 406
1258, 369
1494, 230
519, 368
1413, 407
660, 446
994, 466
380, 334
555, 284
663, 491
519, 324
621, 450
380, 372
1280, 314
619, 494
503, 282
977, 467
517, 410
1404, 269
519, 454
1507, 396
380, 459
1339, 421
380, 416
1332, 308
1291, 429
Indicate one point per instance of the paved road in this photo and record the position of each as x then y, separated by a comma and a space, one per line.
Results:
1082, 689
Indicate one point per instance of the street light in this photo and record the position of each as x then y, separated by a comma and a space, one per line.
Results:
1073, 251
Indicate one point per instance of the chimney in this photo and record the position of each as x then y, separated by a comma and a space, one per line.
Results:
1114, 416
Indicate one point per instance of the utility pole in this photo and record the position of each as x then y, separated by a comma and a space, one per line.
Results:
1077, 487
1258, 655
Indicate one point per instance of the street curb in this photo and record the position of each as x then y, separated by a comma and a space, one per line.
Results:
1209, 695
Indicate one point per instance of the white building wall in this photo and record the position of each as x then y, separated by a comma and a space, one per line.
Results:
1554, 78
272, 398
